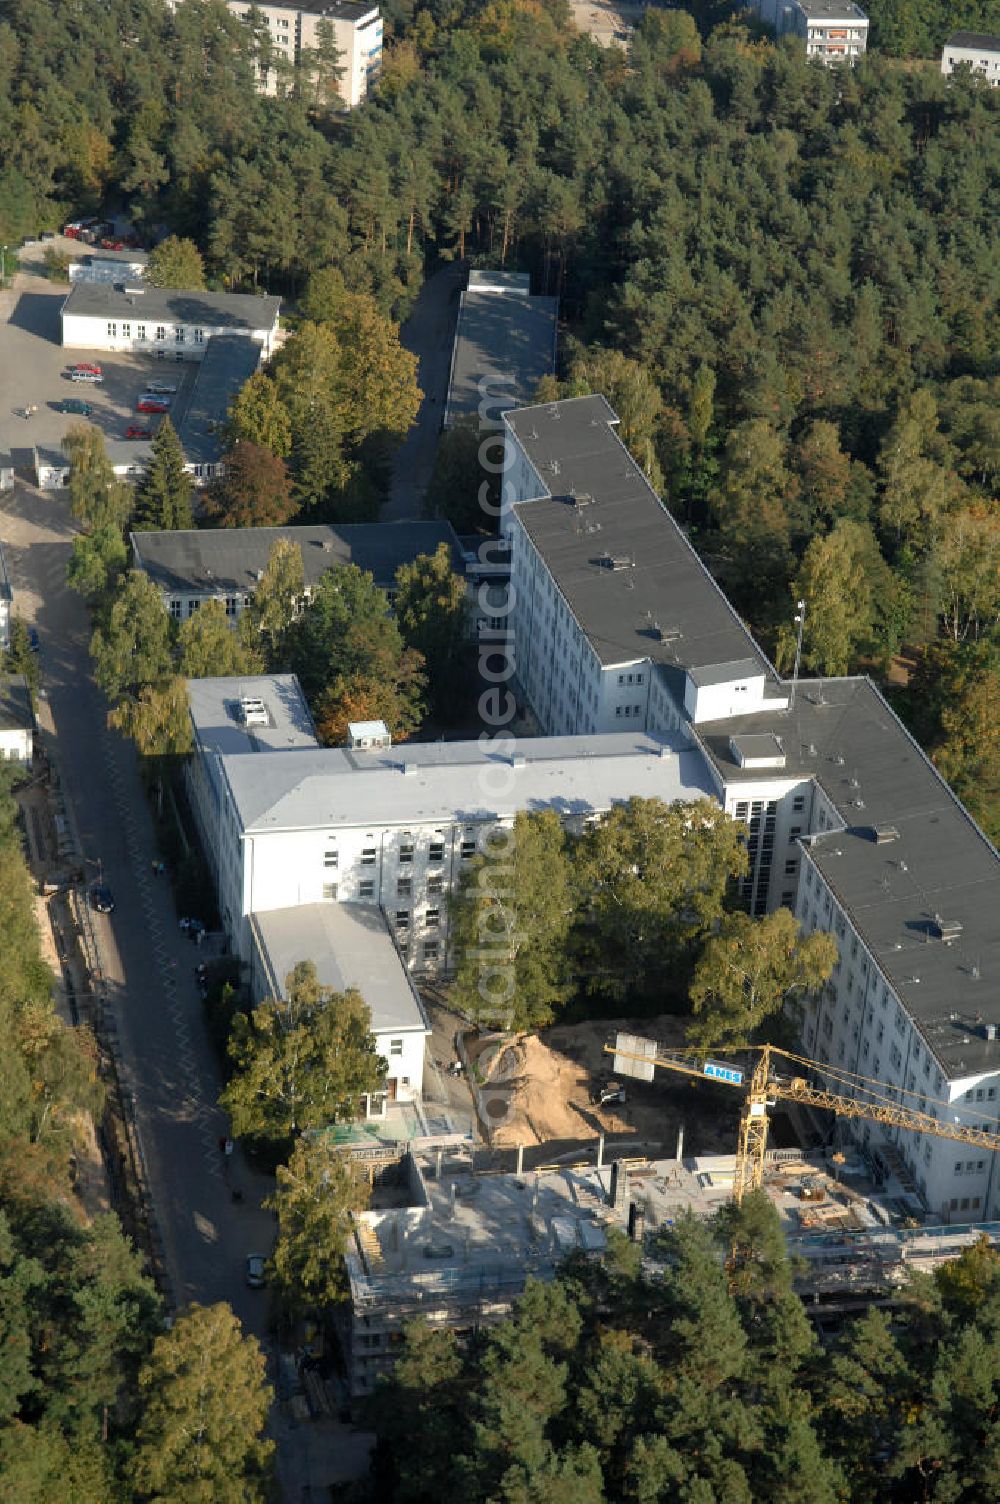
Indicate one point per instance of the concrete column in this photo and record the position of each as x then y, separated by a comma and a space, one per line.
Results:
600, 1151
680, 1143
520, 1158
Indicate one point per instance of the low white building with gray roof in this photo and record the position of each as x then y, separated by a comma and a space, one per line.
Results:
162, 321
193, 565
351, 946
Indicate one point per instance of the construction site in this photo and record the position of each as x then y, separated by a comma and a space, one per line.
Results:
454, 1243
452, 1235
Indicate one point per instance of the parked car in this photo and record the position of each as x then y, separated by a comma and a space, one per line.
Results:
34, 641
102, 899
87, 365
112, 245
161, 388
76, 405
90, 377
135, 432
157, 396
607, 1092
255, 1270
151, 405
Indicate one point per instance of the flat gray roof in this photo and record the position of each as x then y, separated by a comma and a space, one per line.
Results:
229, 361
978, 39
827, 10
214, 706
842, 733
603, 508
126, 257
452, 782
351, 946
507, 339
227, 560
236, 310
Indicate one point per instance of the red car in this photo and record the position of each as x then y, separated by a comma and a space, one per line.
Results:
135, 432
87, 365
151, 405
112, 245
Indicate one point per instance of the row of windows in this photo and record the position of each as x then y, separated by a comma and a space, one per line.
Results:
179, 335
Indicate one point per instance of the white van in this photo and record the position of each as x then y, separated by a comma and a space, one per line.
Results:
91, 377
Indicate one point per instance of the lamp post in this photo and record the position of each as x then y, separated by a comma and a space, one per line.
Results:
800, 620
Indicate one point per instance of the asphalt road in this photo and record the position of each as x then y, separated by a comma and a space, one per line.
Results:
148, 962
429, 333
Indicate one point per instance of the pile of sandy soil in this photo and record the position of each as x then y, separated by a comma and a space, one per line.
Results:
550, 1097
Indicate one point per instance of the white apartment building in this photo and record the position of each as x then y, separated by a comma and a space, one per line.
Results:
295, 30
973, 50
17, 720
165, 322
833, 32
287, 823
617, 625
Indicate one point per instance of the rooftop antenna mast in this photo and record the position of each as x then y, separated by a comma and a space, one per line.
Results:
800, 620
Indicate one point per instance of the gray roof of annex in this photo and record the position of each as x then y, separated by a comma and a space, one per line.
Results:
978, 39
506, 340
229, 361
934, 863
659, 602
233, 310
228, 560
350, 946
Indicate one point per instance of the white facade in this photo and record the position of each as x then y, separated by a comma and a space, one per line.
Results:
858, 1023
293, 32
833, 33
980, 53
163, 323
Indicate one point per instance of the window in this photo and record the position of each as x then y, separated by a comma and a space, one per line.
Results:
468, 850
799, 803
787, 899
176, 608
179, 335
331, 859
958, 1167
406, 851
368, 856
199, 336
140, 331
431, 949
126, 331
796, 830
435, 885
790, 868
330, 890
402, 919
404, 887
433, 918
192, 607
395, 1046
161, 332
436, 851
366, 889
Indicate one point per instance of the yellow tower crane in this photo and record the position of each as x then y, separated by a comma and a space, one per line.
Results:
764, 1085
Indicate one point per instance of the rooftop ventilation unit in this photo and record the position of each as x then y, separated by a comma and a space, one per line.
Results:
617, 562
947, 930
884, 834
252, 712
409, 768
517, 761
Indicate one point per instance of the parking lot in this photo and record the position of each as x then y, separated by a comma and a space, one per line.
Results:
33, 367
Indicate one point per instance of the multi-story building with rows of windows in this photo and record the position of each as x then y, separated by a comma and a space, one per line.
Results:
617, 625
647, 683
